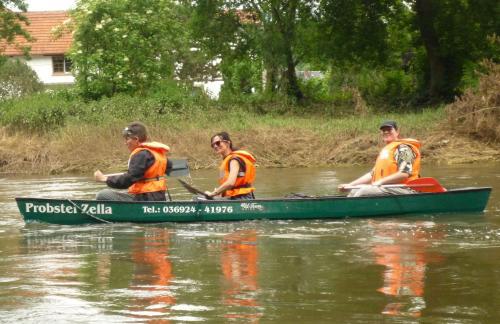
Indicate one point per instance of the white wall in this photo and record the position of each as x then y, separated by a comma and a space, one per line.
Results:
211, 88
42, 65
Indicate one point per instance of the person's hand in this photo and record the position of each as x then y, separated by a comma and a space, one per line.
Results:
211, 193
342, 187
99, 176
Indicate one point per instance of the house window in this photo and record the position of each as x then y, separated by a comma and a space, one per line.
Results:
61, 64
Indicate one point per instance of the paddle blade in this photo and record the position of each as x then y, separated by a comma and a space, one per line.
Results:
177, 168
426, 185
193, 190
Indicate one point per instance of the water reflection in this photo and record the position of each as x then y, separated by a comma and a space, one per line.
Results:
402, 249
152, 275
239, 261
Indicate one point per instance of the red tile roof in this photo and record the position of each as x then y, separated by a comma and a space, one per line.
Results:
40, 28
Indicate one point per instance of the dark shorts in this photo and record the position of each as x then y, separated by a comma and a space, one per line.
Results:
247, 196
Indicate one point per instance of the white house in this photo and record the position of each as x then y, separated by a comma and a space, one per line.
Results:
47, 53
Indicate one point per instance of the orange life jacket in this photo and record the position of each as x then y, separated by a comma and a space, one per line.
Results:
387, 165
154, 177
246, 175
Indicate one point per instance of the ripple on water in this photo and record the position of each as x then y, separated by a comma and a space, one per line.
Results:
181, 319
191, 308
296, 236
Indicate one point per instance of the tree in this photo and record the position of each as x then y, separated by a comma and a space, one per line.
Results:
439, 38
356, 32
425, 45
11, 22
227, 43
454, 33
125, 45
280, 20
259, 29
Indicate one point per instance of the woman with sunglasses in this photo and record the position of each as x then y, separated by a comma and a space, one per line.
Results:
147, 165
236, 172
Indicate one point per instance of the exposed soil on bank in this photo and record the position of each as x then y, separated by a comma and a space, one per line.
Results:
80, 151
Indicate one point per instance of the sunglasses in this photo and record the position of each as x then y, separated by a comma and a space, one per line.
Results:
216, 144
127, 132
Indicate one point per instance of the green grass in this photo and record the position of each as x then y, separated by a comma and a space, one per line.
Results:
49, 112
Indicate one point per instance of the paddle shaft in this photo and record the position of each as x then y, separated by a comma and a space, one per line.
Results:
175, 168
114, 174
425, 184
390, 186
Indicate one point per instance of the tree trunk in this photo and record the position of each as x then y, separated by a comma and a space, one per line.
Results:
286, 24
437, 71
270, 80
293, 88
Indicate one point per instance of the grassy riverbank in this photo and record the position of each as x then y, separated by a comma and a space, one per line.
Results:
58, 132
285, 140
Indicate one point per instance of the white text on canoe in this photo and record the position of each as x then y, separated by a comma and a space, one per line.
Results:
99, 209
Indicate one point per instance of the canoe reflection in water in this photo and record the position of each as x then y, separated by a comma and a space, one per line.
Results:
402, 249
239, 261
153, 272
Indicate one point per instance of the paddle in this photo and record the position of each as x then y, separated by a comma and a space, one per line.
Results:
426, 185
175, 168
420, 185
193, 190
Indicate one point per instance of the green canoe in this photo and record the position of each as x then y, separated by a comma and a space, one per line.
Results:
67, 211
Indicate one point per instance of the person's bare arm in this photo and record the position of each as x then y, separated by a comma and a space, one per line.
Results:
364, 179
398, 177
234, 168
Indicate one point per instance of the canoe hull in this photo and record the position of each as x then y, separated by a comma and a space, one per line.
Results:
66, 211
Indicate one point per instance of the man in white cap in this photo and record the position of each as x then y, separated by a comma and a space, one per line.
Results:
145, 178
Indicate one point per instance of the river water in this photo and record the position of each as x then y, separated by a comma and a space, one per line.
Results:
427, 268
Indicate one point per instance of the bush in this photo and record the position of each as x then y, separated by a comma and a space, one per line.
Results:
241, 77
38, 113
315, 88
173, 97
50, 110
17, 79
384, 89
470, 76
476, 113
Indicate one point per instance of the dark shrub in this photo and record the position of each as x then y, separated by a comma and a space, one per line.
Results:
17, 79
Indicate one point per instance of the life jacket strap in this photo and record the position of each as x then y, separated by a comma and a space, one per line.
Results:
246, 185
158, 178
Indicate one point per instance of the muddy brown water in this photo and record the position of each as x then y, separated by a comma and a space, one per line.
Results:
426, 268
